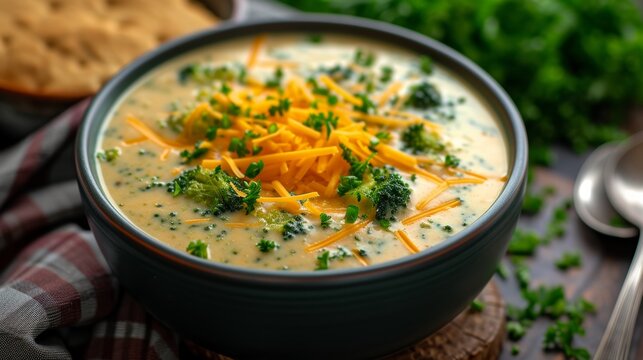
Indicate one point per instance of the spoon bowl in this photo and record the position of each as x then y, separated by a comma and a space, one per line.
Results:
590, 198
624, 184
624, 180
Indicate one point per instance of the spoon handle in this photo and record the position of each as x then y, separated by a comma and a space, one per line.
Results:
615, 344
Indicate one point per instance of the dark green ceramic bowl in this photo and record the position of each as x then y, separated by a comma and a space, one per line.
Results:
356, 313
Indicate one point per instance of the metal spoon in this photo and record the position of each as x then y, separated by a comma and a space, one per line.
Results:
624, 184
590, 198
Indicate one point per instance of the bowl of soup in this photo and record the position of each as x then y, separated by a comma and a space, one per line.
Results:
325, 187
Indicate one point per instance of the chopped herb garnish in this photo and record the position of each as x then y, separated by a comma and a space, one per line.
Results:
364, 59
273, 128
315, 38
424, 96
352, 213
366, 106
275, 81
109, 155
281, 108
515, 330
515, 350
451, 161
524, 242
384, 136
325, 220
198, 248
198, 151
387, 74
238, 146
419, 140
477, 305
426, 65
254, 169
318, 121
205, 74
266, 245
569, 260
253, 192
322, 260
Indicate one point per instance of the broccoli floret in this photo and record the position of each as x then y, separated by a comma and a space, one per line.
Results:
358, 168
417, 139
295, 226
287, 224
386, 190
424, 96
211, 188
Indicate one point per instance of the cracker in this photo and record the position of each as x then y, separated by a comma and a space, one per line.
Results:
69, 48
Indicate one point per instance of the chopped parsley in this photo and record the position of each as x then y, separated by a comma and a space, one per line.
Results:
366, 106
266, 245
254, 169
477, 305
323, 260
325, 220
569, 260
253, 192
198, 248
424, 96
387, 74
426, 65
319, 121
198, 151
451, 161
109, 155
275, 81
524, 242
352, 213
366, 59
281, 108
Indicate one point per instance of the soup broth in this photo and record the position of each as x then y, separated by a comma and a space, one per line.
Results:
302, 152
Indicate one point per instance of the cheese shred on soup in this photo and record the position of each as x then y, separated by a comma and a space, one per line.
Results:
302, 152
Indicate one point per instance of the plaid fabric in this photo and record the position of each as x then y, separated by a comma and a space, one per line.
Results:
58, 299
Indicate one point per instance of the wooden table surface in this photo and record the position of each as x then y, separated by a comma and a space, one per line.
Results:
605, 263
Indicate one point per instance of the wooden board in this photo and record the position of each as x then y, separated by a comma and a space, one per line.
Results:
470, 336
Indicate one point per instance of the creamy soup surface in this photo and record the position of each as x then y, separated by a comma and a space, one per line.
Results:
302, 152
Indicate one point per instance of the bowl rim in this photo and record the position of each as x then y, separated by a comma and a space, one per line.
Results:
514, 132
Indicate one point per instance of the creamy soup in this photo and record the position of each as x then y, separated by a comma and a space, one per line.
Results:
302, 152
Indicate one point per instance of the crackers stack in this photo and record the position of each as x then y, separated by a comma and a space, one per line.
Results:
69, 48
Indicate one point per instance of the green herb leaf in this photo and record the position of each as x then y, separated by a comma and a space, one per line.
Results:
366, 59
426, 65
325, 220
323, 260
254, 169
253, 192
569, 260
198, 248
352, 213
266, 245
451, 161
477, 305
109, 155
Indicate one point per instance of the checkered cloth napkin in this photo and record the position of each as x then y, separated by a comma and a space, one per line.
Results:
58, 299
